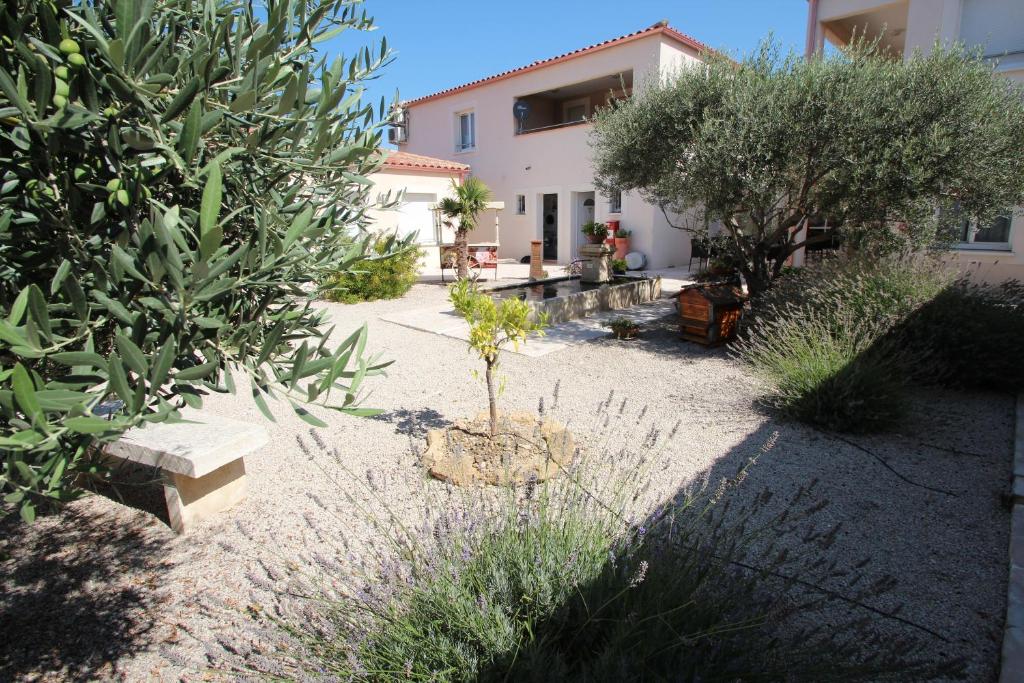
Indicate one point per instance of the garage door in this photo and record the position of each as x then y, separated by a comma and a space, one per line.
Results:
415, 216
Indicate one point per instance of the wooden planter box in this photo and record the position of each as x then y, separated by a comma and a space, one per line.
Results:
710, 314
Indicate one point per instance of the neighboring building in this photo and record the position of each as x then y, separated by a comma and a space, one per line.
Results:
525, 133
425, 181
996, 251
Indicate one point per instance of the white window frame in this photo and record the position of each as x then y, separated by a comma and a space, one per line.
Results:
460, 141
520, 204
585, 101
973, 229
615, 202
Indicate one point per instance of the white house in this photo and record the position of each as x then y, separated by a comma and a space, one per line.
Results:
994, 252
425, 181
525, 133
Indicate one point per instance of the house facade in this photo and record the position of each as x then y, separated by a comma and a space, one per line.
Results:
992, 252
525, 133
424, 181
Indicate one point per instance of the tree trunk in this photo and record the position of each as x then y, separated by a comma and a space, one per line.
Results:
462, 253
492, 399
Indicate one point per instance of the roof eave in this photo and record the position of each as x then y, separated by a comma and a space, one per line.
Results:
667, 31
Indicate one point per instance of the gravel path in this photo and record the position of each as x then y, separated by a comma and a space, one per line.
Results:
106, 591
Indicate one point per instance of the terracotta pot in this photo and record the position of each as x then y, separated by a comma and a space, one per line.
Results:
621, 247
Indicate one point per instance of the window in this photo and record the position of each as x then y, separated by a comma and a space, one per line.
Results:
575, 110
521, 204
466, 136
994, 235
615, 203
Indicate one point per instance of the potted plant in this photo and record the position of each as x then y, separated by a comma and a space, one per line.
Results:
619, 266
622, 242
624, 328
596, 232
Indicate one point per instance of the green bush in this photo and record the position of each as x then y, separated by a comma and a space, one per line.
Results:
560, 582
387, 276
828, 369
828, 339
173, 177
972, 335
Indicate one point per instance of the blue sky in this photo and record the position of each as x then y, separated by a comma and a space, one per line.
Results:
443, 43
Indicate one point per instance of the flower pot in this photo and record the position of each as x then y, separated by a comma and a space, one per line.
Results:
621, 247
595, 239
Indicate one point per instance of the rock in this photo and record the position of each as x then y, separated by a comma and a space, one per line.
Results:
527, 448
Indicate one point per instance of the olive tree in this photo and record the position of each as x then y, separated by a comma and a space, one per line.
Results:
175, 178
493, 325
880, 147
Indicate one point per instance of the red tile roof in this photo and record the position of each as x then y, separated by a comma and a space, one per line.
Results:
661, 27
418, 162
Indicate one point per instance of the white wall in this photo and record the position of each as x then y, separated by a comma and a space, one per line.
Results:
413, 216
550, 161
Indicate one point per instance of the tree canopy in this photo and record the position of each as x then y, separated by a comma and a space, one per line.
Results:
177, 175
874, 144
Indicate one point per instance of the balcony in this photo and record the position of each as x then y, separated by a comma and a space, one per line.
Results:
569, 105
886, 21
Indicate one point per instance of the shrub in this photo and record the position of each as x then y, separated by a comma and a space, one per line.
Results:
972, 335
827, 339
827, 368
387, 276
174, 175
562, 582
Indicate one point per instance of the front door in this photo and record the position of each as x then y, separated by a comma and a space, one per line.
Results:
549, 227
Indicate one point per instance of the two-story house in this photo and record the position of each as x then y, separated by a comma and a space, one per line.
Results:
525, 133
994, 252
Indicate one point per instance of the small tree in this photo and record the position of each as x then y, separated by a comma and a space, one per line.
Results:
176, 176
763, 147
492, 326
462, 212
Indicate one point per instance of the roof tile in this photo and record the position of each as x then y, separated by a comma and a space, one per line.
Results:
660, 27
418, 162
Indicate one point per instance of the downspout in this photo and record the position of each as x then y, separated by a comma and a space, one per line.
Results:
812, 28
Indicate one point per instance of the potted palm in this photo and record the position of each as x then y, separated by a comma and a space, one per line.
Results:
622, 242
596, 232
461, 213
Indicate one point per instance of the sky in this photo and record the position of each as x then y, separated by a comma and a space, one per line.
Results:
444, 43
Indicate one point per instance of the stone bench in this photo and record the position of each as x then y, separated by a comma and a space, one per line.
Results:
201, 462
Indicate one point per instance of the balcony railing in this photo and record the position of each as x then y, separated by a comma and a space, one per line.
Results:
553, 126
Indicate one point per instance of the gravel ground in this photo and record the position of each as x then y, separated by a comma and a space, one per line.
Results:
106, 591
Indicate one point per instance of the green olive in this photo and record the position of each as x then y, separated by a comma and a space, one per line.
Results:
76, 59
61, 88
61, 72
69, 47
122, 196
110, 112
59, 101
114, 184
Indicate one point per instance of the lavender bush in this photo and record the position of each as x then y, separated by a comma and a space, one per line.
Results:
595, 576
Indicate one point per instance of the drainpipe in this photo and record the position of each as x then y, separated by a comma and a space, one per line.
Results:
812, 28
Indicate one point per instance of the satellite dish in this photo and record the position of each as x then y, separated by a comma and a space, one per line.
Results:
521, 110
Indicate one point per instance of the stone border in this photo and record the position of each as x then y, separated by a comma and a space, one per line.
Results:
1012, 665
609, 297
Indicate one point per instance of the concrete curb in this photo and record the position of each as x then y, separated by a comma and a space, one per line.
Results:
1012, 668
